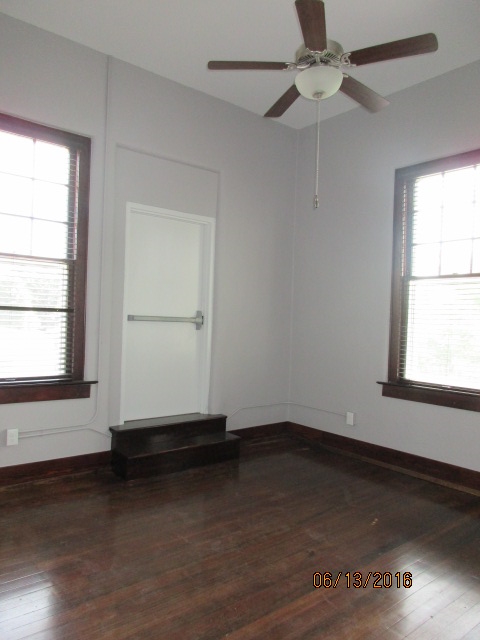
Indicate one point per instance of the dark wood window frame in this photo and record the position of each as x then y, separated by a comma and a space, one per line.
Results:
72, 385
396, 387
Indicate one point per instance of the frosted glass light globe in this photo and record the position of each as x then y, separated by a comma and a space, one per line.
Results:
319, 81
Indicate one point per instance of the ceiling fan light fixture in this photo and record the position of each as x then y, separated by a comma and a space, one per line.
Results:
319, 81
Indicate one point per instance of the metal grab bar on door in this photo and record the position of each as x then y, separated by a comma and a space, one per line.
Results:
197, 320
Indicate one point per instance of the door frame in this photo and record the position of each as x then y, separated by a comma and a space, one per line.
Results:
207, 226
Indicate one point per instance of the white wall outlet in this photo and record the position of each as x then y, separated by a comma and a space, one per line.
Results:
12, 437
350, 418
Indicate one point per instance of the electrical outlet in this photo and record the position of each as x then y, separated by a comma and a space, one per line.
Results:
12, 437
350, 418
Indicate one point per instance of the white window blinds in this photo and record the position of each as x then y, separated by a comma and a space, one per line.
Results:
39, 195
440, 336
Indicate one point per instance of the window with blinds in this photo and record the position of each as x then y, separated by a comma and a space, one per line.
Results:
435, 320
44, 178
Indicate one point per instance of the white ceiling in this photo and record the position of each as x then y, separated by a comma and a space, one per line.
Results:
176, 38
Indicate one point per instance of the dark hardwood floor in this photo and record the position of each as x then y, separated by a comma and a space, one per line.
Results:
230, 551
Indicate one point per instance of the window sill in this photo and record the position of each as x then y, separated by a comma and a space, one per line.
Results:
43, 391
457, 399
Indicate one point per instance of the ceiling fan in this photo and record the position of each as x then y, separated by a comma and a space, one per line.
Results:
321, 62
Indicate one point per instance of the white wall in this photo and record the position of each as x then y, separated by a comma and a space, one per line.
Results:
61, 84
342, 268
249, 160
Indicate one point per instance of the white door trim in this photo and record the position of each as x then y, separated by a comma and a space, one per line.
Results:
207, 225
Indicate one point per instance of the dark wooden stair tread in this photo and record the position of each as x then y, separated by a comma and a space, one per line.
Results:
154, 445
166, 421
185, 425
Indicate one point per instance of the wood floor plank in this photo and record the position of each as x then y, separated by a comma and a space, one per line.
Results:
473, 634
436, 626
229, 551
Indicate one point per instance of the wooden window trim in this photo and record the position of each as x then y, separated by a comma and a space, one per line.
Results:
443, 396
41, 391
73, 386
397, 387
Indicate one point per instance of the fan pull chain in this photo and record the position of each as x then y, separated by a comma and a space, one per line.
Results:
318, 97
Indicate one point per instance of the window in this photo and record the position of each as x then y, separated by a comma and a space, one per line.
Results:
44, 188
435, 313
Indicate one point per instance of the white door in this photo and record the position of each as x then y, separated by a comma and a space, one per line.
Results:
168, 280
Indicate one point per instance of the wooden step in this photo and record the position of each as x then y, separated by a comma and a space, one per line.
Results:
188, 424
155, 446
169, 453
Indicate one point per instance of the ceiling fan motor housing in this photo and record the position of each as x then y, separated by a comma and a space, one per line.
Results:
332, 55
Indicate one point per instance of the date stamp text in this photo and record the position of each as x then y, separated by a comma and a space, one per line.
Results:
359, 580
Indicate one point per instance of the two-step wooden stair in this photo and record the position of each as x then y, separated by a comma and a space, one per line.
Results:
157, 446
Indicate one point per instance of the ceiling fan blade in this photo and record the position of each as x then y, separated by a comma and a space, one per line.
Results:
282, 104
311, 15
235, 65
425, 43
363, 95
